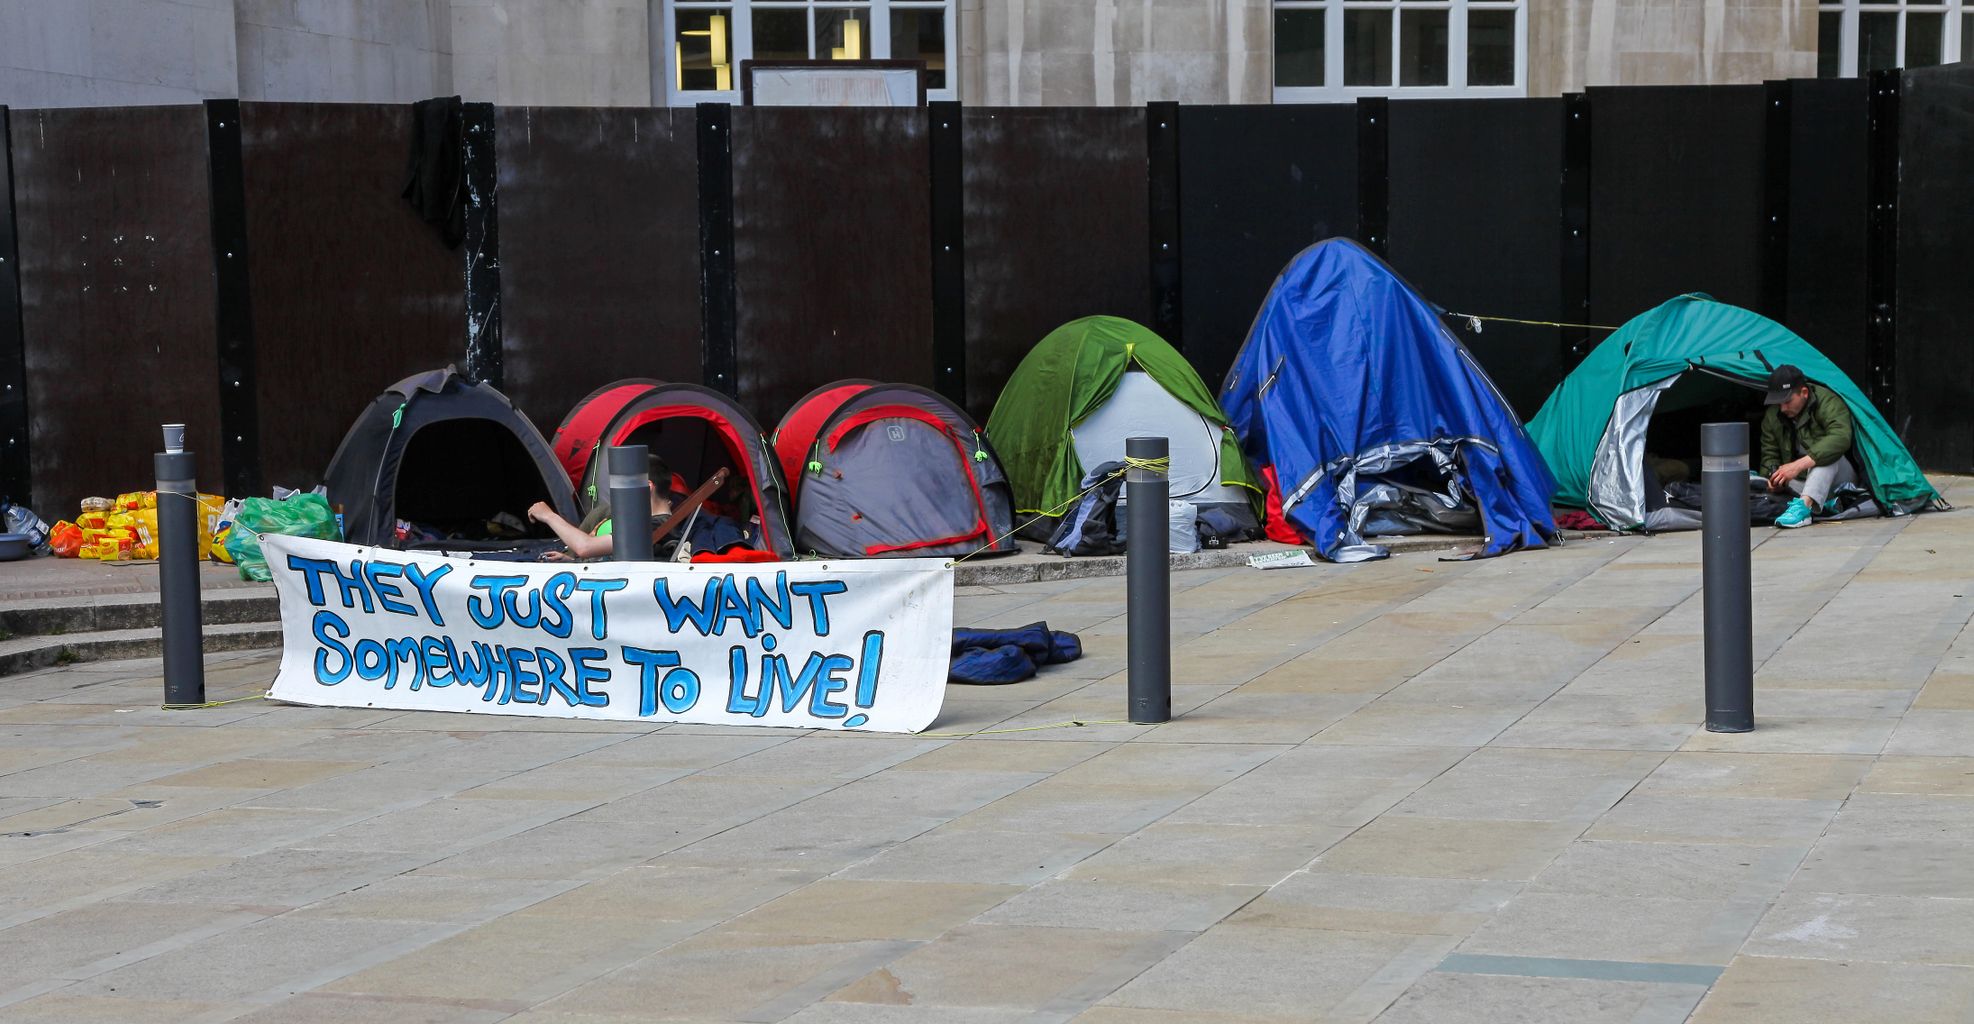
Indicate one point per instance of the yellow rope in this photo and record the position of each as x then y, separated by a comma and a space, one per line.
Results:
210, 703
1161, 465
1025, 728
1474, 319
201, 507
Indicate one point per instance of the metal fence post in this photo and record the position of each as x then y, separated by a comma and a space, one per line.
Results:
1148, 573
178, 571
1729, 608
630, 503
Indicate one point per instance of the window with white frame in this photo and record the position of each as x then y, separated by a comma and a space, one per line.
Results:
707, 40
1334, 49
1854, 37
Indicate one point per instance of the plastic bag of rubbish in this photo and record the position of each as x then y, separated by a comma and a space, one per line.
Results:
301, 515
21, 519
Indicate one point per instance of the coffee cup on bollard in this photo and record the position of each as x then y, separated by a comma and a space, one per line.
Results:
1725, 577
629, 471
1148, 572
178, 572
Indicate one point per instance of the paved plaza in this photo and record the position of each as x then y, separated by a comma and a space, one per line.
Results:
1412, 792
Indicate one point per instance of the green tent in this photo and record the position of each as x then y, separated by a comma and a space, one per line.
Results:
1592, 429
1058, 408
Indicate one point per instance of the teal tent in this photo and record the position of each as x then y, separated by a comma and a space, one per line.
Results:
1592, 430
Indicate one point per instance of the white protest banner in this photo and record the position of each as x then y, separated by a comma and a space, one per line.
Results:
813, 645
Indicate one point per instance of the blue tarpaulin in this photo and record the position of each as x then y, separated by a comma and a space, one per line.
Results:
1351, 387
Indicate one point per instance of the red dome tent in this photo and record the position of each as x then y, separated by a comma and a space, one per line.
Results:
892, 469
697, 431
576, 438
797, 433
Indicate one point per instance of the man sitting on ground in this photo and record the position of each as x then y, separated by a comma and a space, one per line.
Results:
1806, 443
597, 543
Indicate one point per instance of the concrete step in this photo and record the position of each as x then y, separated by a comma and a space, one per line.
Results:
25, 654
61, 616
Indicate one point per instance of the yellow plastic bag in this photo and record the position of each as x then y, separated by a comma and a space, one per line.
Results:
136, 500
210, 506
217, 549
145, 521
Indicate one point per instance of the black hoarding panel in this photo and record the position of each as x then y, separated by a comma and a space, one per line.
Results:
1476, 204
1934, 375
599, 251
1057, 227
1677, 196
832, 265
1827, 205
1259, 184
117, 298
16, 474
352, 292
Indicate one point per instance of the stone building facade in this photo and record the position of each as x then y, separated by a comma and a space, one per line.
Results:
996, 52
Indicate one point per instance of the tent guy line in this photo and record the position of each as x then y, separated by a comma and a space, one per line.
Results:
1474, 321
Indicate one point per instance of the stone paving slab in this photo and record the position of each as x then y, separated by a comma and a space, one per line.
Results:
1411, 791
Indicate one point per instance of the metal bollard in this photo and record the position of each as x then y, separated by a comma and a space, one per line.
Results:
630, 503
1729, 607
1148, 576
178, 571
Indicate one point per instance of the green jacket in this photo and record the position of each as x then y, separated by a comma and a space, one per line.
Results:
1823, 429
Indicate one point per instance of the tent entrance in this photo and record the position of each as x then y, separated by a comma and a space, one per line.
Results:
456, 475
1141, 407
1672, 436
1653, 440
1418, 495
695, 448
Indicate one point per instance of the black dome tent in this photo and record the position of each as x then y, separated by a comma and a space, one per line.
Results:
446, 453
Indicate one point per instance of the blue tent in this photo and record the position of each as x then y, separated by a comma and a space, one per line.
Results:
1375, 420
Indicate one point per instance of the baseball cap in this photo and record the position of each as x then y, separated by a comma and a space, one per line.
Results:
1781, 381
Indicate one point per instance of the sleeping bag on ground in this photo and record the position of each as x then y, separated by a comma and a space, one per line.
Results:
994, 657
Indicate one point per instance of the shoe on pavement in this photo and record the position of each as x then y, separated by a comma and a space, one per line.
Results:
1797, 514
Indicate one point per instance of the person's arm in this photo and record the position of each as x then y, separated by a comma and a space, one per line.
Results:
1774, 443
580, 544
1836, 441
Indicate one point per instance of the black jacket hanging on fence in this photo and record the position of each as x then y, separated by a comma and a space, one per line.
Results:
435, 182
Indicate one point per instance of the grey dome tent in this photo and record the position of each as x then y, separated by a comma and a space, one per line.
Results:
893, 470
446, 453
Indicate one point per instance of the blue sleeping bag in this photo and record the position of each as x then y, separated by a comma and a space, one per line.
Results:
993, 657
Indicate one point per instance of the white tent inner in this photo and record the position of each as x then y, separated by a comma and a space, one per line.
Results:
1141, 407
